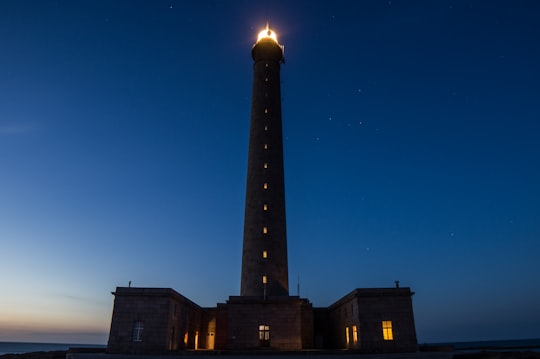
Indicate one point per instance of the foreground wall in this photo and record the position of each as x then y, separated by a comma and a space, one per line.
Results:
372, 320
284, 323
154, 320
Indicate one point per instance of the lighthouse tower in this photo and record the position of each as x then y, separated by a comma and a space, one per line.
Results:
264, 255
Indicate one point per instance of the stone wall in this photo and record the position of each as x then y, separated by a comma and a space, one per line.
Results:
166, 320
356, 321
290, 322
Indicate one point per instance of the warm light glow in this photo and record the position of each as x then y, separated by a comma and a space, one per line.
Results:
265, 186
264, 332
265, 230
265, 254
265, 207
355, 334
264, 279
267, 34
266, 165
347, 336
387, 330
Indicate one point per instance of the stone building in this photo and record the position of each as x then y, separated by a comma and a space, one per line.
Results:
158, 320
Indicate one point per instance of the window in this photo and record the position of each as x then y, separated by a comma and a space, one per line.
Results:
266, 79
266, 128
387, 330
347, 336
265, 165
266, 65
265, 110
265, 254
264, 279
265, 185
138, 328
265, 207
264, 333
265, 230
354, 334
265, 146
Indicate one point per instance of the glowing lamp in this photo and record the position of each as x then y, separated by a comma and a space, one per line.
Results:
267, 34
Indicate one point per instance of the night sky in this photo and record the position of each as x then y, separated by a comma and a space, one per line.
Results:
412, 153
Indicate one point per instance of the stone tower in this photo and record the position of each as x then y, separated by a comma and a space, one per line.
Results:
264, 254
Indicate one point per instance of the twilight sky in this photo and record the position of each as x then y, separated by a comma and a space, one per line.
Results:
412, 153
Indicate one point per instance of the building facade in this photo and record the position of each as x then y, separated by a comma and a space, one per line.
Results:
264, 315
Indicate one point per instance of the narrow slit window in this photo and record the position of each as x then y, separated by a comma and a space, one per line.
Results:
265, 254
265, 230
264, 279
266, 79
265, 110
265, 165
355, 334
265, 207
266, 128
265, 146
265, 185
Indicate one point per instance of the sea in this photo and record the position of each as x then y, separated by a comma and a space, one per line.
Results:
25, 347
494, 345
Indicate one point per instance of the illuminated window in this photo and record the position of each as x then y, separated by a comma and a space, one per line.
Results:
265, 230
265, 110
387, 330
265, 165
265, 254
265, 186
266, 65
347, 336
264, 332
354, 334
265, 207
266, 128
138, 328
265, 146
265, 280
266, 79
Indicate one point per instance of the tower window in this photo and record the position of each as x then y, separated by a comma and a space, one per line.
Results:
266, 79
265, 185
265, 230
265, 165
266, 128
265, 146
266, 65
265, 207
264, 279
265, 110
265, 254
355, 334
387, 330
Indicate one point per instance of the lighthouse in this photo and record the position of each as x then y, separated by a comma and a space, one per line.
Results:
264, 253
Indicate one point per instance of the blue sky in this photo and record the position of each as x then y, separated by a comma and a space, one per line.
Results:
411, 153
